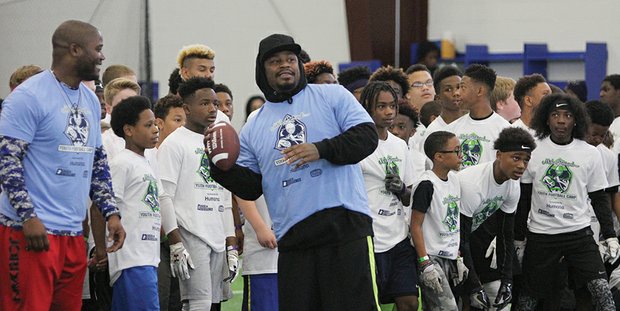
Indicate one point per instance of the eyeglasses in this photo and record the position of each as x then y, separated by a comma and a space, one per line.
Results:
455, 151
418, 84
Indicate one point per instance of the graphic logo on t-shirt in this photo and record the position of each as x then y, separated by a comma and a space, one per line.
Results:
452, 213
391, 164
291, 132
151, 198
490, 207
471, 149
204, 171
558, 175
77, 128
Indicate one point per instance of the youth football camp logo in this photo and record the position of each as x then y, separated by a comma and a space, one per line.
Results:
204, 171
558, 176
77, 128
471, 150
490, 207
391, 167
151, 199
452, 213
291, 132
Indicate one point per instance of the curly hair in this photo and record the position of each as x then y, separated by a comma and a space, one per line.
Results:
600, 113
174, 81
389, 73
482, 74
514, 136
163, 105
189, 87
127, 112
549, 103
432, 108
409, 112
370, 94
220, 87
445, 72
525, 84
194, 51
614, 80
314, 68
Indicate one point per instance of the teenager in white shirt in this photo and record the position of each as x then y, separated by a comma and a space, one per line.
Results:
146, 209
563, 173
387, 179
202, 206
435, 223
490, 193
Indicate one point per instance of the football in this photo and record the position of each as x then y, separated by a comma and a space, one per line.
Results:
223, 147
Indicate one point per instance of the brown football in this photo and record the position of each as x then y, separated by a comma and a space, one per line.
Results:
223, 147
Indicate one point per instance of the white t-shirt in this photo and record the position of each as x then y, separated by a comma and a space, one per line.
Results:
441, 225
419, 163
614, 129
420, 134
137, 192
437, 125
113, 145
482, 196
258, 259
199, 202
519, 123
477, 137
561, 178
389, 222
610, 166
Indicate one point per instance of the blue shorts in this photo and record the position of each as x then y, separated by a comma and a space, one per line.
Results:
396, 272
136, 289
260, 292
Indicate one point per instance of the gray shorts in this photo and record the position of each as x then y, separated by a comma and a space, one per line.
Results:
206, 279
432, 300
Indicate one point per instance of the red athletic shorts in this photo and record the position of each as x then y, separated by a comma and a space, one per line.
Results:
48, 280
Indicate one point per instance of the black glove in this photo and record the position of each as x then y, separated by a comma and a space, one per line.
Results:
394, 184
504, 295
480, 300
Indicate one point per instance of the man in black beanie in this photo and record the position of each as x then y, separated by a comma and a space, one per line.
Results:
301, 150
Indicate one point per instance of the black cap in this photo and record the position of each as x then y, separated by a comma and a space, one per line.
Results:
276, 43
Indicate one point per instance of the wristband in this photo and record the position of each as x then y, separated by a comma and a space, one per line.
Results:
231, 248
238, 227
423, 259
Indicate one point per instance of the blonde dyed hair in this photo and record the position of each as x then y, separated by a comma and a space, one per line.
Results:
22, 73
194, 51
503, 87
117, 85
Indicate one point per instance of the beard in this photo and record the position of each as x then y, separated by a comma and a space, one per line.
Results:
87, 71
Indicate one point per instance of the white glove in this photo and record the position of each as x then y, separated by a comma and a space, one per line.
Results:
520, 250
492, 251
233, 261
179, 261
461, 270
612, 249
430, 278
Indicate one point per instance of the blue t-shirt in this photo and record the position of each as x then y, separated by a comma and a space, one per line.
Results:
316, 113
62, 128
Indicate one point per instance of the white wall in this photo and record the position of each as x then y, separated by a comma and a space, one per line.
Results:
504, 25
233, 28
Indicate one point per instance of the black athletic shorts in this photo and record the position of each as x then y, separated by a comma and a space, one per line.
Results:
324, 264
541, 267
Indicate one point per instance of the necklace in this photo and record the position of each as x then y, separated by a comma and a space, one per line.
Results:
73, 107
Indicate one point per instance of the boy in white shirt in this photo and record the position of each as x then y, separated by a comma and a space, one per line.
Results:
490, 193
202, 206
435, 223
387, 177
146, 209
563, 173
